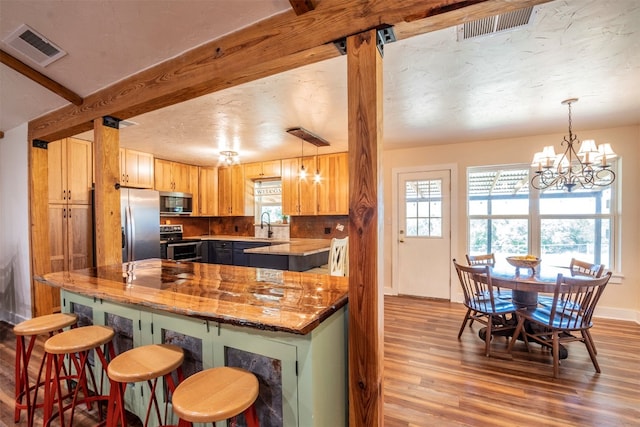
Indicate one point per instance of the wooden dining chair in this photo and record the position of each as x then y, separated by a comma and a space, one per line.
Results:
582, 268
481, 303
577, 268
574, 302
490, 260
484, 259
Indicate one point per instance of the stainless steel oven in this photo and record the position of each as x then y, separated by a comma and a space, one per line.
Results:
184, 250
175, 247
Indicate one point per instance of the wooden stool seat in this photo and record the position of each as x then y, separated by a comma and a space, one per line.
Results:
146, 363
77, 344
42, 325
215, 394
79, 339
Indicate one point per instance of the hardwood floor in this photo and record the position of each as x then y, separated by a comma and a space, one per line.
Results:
433, 379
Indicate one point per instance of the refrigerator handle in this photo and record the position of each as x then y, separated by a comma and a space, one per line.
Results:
132, 233
124, 238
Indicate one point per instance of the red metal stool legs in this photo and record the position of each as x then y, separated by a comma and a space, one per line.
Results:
146, 363
32, 328
77, 344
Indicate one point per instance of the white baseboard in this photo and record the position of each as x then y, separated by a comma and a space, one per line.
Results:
618, 314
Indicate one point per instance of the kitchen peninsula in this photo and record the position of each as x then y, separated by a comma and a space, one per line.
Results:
289, 328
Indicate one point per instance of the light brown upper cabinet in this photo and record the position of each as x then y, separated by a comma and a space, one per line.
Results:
298, 195
194, 188
172, 176
263, 170
136, 169
235, 198
333, 189
208, 191
70, 171
70, 164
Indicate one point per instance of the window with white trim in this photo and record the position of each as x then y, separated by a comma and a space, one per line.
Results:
507, 217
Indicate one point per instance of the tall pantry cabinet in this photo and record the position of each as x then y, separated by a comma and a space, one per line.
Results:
70, 213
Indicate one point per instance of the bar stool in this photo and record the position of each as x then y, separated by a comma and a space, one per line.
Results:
216, 394
77, 344
41, 325
146, 363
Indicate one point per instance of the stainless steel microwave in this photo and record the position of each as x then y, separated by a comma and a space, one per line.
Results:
172, 204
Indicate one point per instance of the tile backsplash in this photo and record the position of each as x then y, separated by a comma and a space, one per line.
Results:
308, 227
280, 231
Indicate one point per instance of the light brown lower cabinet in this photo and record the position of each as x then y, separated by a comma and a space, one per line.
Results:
70, 237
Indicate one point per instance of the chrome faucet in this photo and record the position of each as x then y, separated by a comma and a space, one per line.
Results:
269, 232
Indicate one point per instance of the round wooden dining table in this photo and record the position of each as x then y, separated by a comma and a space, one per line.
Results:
525, 284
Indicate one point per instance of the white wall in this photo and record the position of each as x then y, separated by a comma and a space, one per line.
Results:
15, 273
620, 300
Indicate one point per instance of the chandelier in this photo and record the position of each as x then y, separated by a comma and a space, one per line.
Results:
589, 167
229, 157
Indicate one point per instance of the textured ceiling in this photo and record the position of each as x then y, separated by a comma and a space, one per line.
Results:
436, 90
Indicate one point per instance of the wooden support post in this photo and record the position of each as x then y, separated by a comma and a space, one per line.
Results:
107, 195
44, 299
366, 351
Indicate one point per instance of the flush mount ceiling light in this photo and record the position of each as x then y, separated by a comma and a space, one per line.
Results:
229, 157
587, 168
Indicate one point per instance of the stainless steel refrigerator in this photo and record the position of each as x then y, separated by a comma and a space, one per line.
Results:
140, 224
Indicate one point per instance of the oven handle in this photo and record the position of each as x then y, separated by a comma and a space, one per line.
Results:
185, 244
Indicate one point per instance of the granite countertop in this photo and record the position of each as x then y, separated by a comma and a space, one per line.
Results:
294, 248
260, 298
234, 238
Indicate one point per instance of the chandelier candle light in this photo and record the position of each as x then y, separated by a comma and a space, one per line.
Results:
589, 167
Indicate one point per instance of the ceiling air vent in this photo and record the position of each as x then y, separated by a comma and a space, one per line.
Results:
34, 46
495, 24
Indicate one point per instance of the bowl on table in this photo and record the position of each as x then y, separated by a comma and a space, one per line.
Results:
524, 261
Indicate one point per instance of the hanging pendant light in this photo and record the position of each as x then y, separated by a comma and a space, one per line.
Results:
589, 167
303, 171
316, 177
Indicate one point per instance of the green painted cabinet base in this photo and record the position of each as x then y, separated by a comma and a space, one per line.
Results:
303, 377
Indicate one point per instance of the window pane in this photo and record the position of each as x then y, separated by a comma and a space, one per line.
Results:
423, 205
563, 239
423, 209
509, 237
436, 227
412, 209
498, 192
412, 227
478, 236
423, 226
514, 205
576, 202
478, 207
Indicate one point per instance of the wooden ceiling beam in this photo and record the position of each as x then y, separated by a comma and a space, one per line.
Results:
269, 47
55, 87
302, 6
